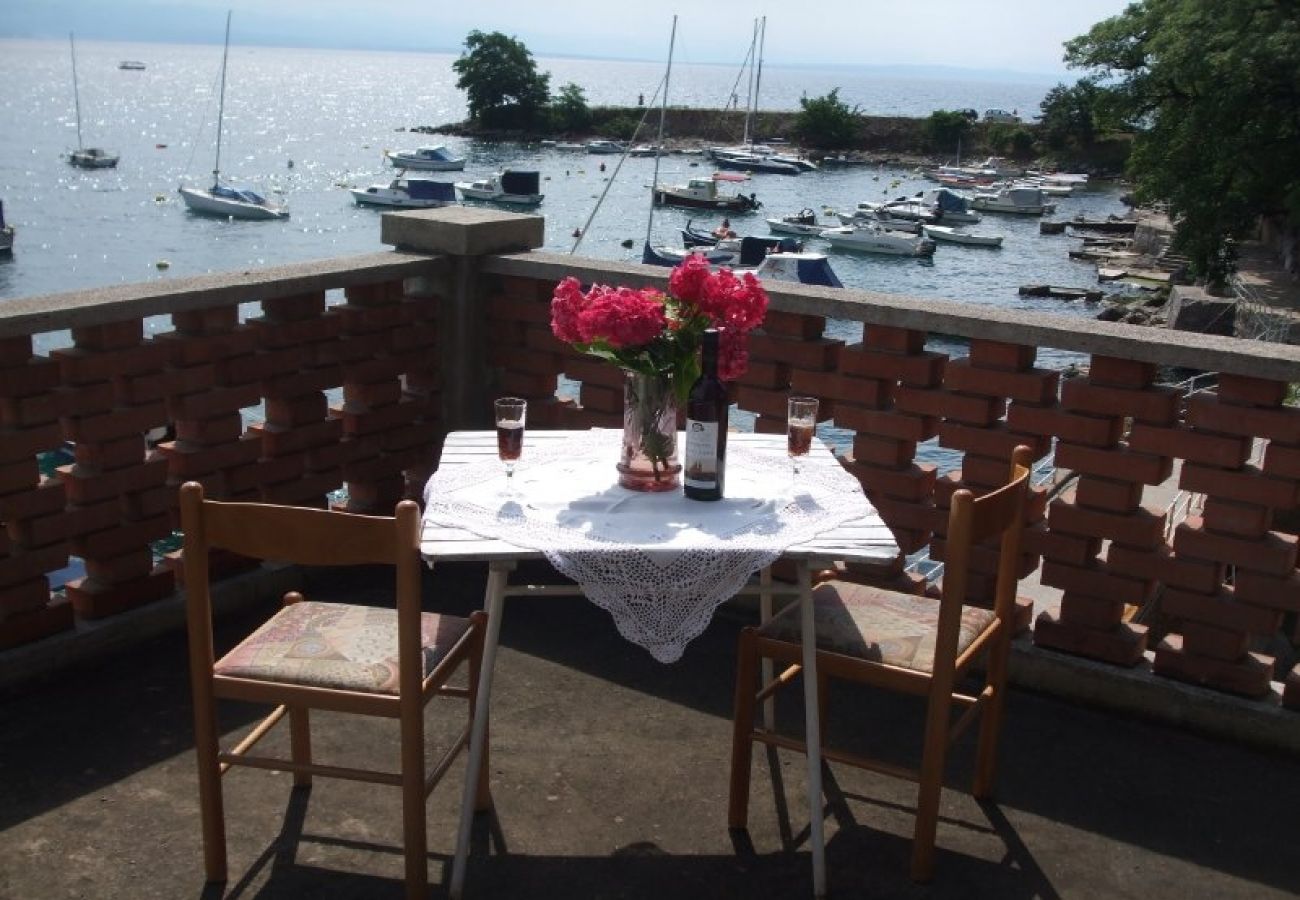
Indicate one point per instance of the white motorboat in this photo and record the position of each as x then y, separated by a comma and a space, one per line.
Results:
86, 157
220, 199
881, 217
950, 235
407, 193
802, 223
871, 238
754, 255
569, 147
435, 158
647, 150
951, 207
516, 187
702, 193
607, 148
754, 162
1025, 201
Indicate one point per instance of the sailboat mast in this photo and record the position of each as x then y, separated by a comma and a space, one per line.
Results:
758, 77
659, 142
749, 96
221, 106
76, 92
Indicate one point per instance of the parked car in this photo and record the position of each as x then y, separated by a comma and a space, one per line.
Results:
1001, 115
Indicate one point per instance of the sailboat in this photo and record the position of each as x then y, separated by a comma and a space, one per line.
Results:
86, 157
220, 199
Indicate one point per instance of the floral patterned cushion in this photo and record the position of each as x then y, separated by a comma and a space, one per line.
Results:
336, 645
875, 624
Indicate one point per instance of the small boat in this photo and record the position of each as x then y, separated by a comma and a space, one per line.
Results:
1105, 226
702, 193
1027, 201
950, 235
871, 238
516, 187
647, 150
755, 256
1060, 293
570, 147
881, 217
753, 162
803, 222
950, 207
607, 148
407, 193
220, 199
434, 158
86, 157
131, 65
6, 232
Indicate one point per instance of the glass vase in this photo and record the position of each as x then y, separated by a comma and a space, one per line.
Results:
648, 461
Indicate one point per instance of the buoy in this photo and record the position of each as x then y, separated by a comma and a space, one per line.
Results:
627, 244
160, 146
577, 232
163, 264
291, 164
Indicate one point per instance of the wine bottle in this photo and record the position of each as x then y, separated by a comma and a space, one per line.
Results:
706, 427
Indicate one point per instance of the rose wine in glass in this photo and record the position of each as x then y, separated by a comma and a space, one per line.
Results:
510, 414
801, 422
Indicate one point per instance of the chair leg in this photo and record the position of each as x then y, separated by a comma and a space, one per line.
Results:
742, 744
414, 836
931, 786
300, 743
986, 760
211, 805
483, 792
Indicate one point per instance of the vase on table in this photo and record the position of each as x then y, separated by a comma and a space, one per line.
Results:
648, 459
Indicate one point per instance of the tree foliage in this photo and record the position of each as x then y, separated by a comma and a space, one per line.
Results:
827, 122
1214, 88
1069, 117
500, 77
946, 128
569, 110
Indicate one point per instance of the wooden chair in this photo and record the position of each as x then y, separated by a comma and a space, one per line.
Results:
329, 656
913, 644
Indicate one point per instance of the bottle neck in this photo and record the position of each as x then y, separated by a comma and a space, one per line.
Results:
709, 354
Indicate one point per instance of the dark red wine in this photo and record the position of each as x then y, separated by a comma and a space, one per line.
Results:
800, 439
510, 441
705, 465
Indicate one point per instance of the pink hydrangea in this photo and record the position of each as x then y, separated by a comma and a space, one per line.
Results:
738, 304
687, 280
622, 317
733, 354
566, 304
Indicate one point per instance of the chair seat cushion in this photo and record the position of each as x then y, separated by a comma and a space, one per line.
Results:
876, 625
336, 645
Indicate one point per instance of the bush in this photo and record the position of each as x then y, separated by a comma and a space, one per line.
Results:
945, 128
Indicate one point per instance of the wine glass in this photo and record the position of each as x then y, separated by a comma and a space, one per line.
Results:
510, 413
801, 420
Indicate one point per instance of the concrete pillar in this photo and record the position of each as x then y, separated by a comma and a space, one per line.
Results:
465, 235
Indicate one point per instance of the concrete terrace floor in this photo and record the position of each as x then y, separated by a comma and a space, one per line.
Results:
610, 775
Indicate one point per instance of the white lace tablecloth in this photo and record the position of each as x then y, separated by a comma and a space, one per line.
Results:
659, 563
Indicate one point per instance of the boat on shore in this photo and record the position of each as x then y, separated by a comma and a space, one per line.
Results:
513, 187
435, 158
407, 193
223, 200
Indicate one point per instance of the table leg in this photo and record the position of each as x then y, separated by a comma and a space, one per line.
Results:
812, 731
494, 603
766, 667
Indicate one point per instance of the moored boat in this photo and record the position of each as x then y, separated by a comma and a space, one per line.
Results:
6, 232
871, 238
86, 157
755, 255
131, 65
1026, 201
437, 158
950, 235
703, 193
407, 193
803, 222
515, 187
605, 147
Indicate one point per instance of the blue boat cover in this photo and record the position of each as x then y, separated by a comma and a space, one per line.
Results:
426, 189
229, 193
947, 200
517, 181
819, 272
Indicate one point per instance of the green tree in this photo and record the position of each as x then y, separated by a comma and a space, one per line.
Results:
1069, 115
827, 123
946, 129
569, 110
500, 77
1214, 89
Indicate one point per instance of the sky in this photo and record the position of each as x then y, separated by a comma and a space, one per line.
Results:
1007, 35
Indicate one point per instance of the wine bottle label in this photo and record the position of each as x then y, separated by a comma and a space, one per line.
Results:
701, 470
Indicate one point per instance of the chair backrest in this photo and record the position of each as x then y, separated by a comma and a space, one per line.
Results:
972, 521
309, 537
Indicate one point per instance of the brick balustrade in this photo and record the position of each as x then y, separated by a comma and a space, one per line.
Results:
428, 334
